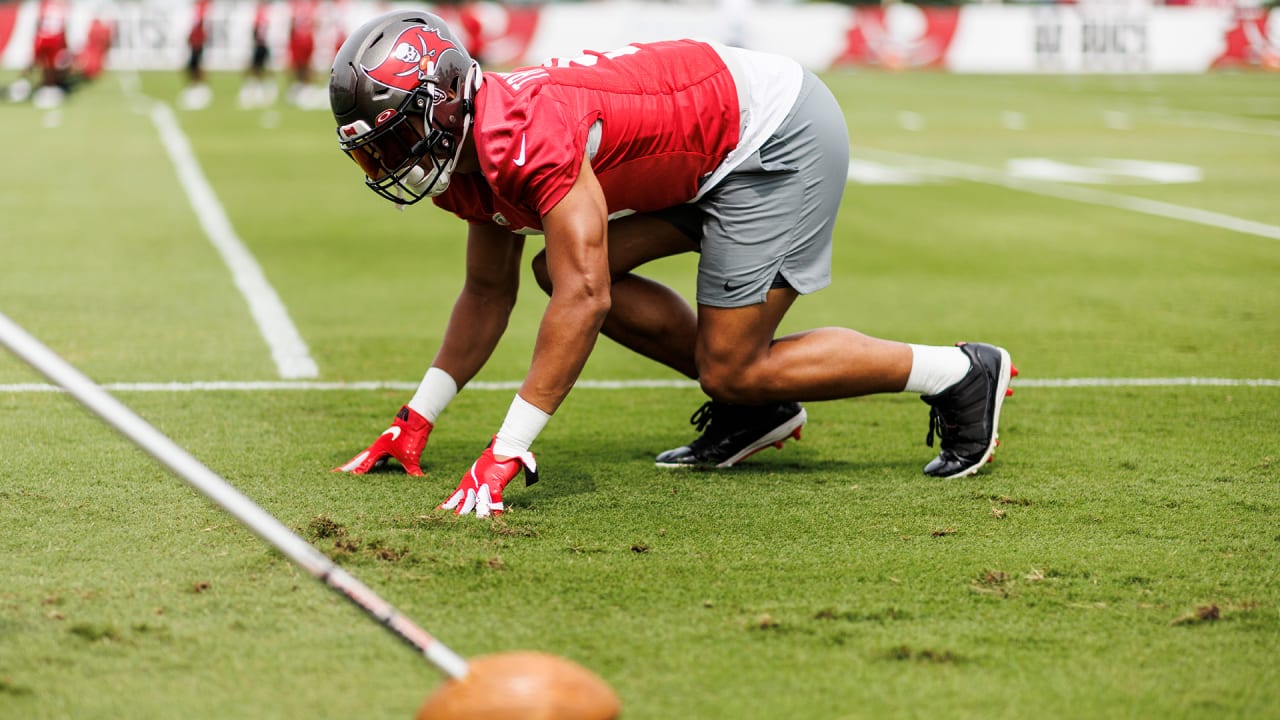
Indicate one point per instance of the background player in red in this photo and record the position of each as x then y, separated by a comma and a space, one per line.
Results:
196, 95
259, 89
302, 47
50, 55
92, 57
619, 158
471, 22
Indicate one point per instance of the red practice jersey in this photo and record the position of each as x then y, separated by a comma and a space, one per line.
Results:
669, 115
51, 32
261, 23
302, 33
93, 55
199, 34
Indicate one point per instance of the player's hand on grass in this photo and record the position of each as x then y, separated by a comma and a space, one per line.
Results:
481, 486
404, 441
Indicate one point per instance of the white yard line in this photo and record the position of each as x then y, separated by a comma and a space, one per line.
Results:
1218, 121
976, 173
267, 386
288, 349
1145, 382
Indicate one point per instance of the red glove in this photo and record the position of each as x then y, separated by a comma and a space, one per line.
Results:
404, 441
481, 486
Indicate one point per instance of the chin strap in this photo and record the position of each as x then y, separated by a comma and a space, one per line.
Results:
451, 134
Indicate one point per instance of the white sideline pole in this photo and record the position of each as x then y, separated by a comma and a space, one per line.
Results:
212, 486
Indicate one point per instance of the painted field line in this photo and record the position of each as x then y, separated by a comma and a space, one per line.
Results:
1145, 382
288, 349
1218, 121
976, 173
276, 385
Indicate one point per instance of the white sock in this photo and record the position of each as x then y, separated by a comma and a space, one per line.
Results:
434, 393
934, 368
523, 423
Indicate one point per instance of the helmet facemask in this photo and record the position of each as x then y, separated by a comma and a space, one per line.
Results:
449, 122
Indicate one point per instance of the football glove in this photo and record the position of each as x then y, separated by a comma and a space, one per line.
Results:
404, 441
481, 486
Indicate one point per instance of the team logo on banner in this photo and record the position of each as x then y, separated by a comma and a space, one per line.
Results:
412, 60
1253, 40
900, 36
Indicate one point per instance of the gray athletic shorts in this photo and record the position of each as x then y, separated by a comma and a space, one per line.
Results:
769, 223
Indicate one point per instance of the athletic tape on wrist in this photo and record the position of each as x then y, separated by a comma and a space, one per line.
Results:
519, 429
434, 393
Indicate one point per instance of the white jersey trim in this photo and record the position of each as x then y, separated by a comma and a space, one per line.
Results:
768, 86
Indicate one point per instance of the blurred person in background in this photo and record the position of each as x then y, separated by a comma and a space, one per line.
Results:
620, 158
59, 69
92, 58
197, 94
471, 22
51, 59
259, 88
302, 48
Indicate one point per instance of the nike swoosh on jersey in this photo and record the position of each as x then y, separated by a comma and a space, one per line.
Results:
519, 161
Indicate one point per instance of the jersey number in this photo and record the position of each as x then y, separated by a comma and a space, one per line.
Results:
590, 58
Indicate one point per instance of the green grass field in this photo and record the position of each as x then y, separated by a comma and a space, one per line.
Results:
1120, 559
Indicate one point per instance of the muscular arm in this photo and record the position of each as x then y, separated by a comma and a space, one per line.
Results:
578, 266
483, 307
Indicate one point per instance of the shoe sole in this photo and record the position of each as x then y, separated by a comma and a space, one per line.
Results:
775, 437
1006, 374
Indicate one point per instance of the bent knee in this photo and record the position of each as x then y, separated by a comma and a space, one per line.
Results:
727, 384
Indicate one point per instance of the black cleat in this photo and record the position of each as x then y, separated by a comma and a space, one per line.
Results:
966, 416
731, 433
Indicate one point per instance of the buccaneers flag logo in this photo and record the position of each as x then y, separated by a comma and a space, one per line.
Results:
413, 58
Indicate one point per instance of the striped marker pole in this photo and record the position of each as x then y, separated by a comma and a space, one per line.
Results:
218, 490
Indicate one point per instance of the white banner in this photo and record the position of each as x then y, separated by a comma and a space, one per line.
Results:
1071, 38
1097, 39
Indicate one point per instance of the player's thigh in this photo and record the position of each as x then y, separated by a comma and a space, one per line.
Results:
637, 239
735, 341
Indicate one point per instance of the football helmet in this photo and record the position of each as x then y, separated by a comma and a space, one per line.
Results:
402, 90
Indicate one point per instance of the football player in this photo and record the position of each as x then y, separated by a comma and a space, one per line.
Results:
302, 46
258, 88
50, 55
92, 57
197, 94
618, 158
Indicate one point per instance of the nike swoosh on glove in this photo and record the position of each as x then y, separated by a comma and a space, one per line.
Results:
481, 486
404, 441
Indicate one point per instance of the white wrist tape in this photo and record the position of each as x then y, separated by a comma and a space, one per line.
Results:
434, 393
521, 426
